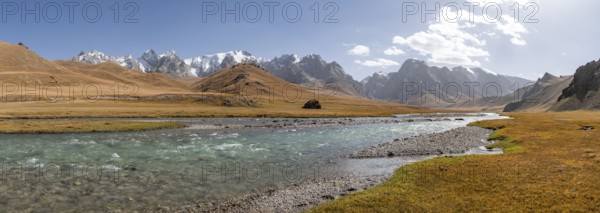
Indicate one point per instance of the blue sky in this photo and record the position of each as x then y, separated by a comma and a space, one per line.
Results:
365, 36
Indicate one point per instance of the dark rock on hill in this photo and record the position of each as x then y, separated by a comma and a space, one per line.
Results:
582, 93
312, 104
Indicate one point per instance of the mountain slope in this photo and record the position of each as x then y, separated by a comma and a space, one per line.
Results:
241, 79
173, 66
19, 58
104, 89
582, 92
170, 63
311, 69
250, 85
107, 74
150, 62
417, 83
540, 96
204, 65
58, 80
374, 85
250, 82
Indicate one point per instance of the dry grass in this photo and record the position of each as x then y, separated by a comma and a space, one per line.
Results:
103, 109
64, 126
549, 165
26, 77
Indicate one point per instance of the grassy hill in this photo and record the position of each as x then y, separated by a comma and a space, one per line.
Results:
38, 88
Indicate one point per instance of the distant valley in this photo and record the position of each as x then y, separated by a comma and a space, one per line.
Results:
415, 83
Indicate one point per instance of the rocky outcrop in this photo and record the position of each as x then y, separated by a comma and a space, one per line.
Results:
23, 45
586, 80
150, 59
582, 93
312, 104
170, 64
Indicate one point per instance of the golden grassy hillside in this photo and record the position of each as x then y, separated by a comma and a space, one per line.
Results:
109, 90
251, 82
24, 72
109, 73
256, 87
19, 59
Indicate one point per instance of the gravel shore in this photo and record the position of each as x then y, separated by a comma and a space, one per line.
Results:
295, 197
303, 195
454, 141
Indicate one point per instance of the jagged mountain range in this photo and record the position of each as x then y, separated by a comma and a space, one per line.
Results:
313, 69
170, 63
417, 83
292, 68
548, 93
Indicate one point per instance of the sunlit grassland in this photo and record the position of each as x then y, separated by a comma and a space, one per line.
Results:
166, 109
549, 165
80, 126
141, 109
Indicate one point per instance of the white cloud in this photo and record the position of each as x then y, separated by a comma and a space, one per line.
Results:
461, 42
505, 25
455, 32
448, 43
360, 50
490, 34
393, 51
484, 2
380, 62
518, 41
398, 40
508, 27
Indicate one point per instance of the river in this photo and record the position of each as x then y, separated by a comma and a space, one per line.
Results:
213, 158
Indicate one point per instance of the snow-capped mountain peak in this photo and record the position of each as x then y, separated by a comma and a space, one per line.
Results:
93, 57
150, 60
489, 71
203, 65
381, 73
96, 57
290, 67
170, 54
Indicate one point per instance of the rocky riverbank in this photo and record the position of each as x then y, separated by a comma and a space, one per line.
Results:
454, 141
289, 198
303, 195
